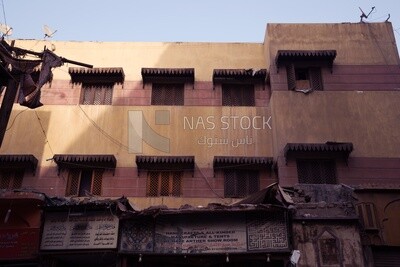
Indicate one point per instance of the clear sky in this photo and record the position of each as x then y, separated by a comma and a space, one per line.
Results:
181, 20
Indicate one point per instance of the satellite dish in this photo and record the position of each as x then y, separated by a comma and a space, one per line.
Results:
5, 29
48, 32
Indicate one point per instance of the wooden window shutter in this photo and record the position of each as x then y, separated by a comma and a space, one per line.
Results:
152, 184
176, 184
73, 182
97, 94
165, 184
316, 79
291, 76
6, 177
238, 95
18, 177
167, 94
97, 182
366, 212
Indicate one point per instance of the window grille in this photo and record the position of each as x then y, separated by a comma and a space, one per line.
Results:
238, 95
304, 78
97, 94
11, 179
164, 183
240, 183
317, 171
167, 94
84, 181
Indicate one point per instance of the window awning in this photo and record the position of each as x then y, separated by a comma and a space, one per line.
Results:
247, 163
285, 56
239, 75
96, 75
69, 161
328, 149
165, 163
168, 75
22, 161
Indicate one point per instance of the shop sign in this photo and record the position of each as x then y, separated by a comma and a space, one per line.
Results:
18, 244
91, 230
212, 233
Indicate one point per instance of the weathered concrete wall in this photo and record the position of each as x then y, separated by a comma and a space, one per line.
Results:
307, 236
355, 43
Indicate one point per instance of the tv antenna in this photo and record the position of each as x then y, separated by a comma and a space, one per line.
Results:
48, 32
363, 16
5, 30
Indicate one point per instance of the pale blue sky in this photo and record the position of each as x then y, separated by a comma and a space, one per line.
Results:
180, 20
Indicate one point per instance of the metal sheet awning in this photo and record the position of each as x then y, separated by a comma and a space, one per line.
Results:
168, 75
239, 75
247, 163
284, 56
331, 149
96, 75
21, 161
165, 163
70, 161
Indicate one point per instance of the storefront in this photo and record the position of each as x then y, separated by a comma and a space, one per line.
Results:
81, 233
211, 236
20, 221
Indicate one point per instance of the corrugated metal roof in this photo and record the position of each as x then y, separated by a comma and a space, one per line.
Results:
165, 162
99, 75
242, 162
85, 161
335, 147
239, 75
181, 75
24, 161
294, 55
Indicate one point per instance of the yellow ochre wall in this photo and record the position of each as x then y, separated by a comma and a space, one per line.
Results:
355, 43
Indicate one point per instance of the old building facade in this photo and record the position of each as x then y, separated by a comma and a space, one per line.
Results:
311, 114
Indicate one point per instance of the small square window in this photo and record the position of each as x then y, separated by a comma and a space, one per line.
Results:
97, 94
82, 182
240, 183
238, 95
167, 94
316, 171
11, 179
166, 184
303, 78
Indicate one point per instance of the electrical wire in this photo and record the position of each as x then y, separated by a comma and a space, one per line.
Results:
4, 12
12, 123
44, 132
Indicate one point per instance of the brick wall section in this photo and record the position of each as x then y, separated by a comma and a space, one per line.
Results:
348, 78
356, 171
134, 93
128, 182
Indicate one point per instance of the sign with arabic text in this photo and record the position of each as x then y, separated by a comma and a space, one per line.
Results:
91, 230
17, 244
206, 233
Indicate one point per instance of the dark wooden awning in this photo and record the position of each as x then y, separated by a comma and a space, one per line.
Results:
247, 163
165, 163
328, 149
168, 75
70, 161
239, 75
96, 75
22, 161
289, 56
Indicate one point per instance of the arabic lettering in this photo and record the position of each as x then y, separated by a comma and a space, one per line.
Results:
216, 141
